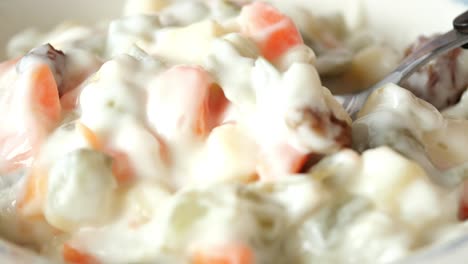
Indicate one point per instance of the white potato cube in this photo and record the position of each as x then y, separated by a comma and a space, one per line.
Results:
80, 190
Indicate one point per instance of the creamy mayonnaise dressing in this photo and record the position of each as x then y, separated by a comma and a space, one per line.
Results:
176, 134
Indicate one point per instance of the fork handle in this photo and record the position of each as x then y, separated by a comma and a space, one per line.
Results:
457, 37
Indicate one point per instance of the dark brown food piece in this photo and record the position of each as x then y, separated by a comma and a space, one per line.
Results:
322, 124
56, 60
439, 82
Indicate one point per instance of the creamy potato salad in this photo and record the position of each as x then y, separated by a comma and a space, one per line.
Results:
206, 132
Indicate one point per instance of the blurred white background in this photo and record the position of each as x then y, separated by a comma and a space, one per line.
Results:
16, 15
397, 21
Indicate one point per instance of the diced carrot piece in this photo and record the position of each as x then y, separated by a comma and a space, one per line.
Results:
199, 103
463, 204
121, 166
31, 107
30, 203
294, 158
74, 256
69, 100
45, 93
230, 254
211, 110
274, 32
89, 136
280, 160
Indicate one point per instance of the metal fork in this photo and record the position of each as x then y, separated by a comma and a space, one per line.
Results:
457, 37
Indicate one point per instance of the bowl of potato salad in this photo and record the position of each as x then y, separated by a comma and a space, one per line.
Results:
207, 132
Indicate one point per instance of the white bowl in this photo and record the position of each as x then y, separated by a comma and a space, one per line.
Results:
399, 22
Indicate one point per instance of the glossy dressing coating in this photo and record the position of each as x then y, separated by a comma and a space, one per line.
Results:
196, 135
